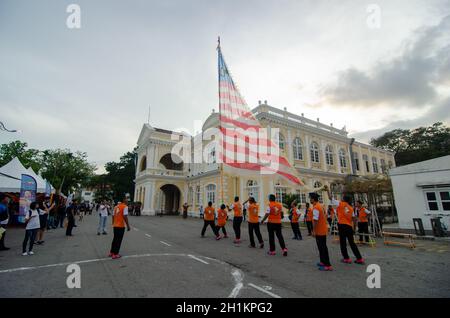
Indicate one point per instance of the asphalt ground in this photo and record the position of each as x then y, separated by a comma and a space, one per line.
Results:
166, 257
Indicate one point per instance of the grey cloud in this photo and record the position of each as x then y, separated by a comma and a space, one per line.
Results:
440, 112
408, 80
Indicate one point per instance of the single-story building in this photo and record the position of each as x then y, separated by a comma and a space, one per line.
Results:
422, 190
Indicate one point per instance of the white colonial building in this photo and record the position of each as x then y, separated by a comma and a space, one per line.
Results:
320, 153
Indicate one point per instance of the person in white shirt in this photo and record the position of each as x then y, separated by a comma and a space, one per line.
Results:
31, 229
103, 215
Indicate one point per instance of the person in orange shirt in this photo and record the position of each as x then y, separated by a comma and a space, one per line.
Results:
274, 211
363, 220
119, 219
294, 216
320, 231
209, 219
309, 219
346, 218
222, 217
253, 223
236, 207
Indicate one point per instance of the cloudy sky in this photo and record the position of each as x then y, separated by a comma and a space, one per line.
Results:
89, 89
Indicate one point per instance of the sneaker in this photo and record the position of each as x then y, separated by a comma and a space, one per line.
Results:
115, 256
110, 254
24, 254
104, 233
320, 264
237, 241
346, 261
98, 233
271, 253
284, 251
252, 246
360, 261
261, 245
30, 253
218, 237
325, 268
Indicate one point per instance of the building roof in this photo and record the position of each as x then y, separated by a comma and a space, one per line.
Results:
432, 165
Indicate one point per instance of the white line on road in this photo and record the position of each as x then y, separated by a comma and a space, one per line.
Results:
148, 235
165, 243
198, 259
264, 290
135, 229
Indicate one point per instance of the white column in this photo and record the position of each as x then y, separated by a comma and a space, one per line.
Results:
324, 158
370, 160
289, 145
336, 151
307, 152
241, 188
350, 159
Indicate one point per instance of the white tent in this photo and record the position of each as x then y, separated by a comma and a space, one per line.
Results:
11, 174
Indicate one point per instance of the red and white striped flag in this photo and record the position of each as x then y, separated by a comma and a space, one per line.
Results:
246, 145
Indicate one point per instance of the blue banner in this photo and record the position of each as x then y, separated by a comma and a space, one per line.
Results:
48, 189
28, 189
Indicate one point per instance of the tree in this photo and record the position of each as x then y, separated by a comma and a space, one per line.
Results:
29, 157
65, 170
416, 145
120, 175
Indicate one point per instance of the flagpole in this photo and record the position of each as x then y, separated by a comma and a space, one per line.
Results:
220, 114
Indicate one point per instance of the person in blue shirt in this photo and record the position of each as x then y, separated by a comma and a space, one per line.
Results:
4, 218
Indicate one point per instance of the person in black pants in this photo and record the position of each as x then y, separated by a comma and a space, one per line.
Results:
209, 219
70, 213
274, 212
253, 223
236, 207
293, 217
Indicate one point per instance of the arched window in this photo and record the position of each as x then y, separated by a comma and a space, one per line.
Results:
314, 152
212, 155
329, 155
297, 149
253, 189
375, 164
342, 158
281, 141
143, 165
211, 193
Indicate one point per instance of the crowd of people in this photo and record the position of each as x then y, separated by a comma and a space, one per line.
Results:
318, 222
52, 213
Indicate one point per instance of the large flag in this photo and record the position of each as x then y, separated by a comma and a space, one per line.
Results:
246, 145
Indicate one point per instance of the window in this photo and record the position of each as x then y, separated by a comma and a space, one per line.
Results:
211, 193
342, 158
356, 160
375, 165
383, 165
253, 189
366, 161
329, 155
281, 141
143, 165
280, 193
318, 184
297, 147
314, 152
198, 195
301, 197
212, 155
438, 200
